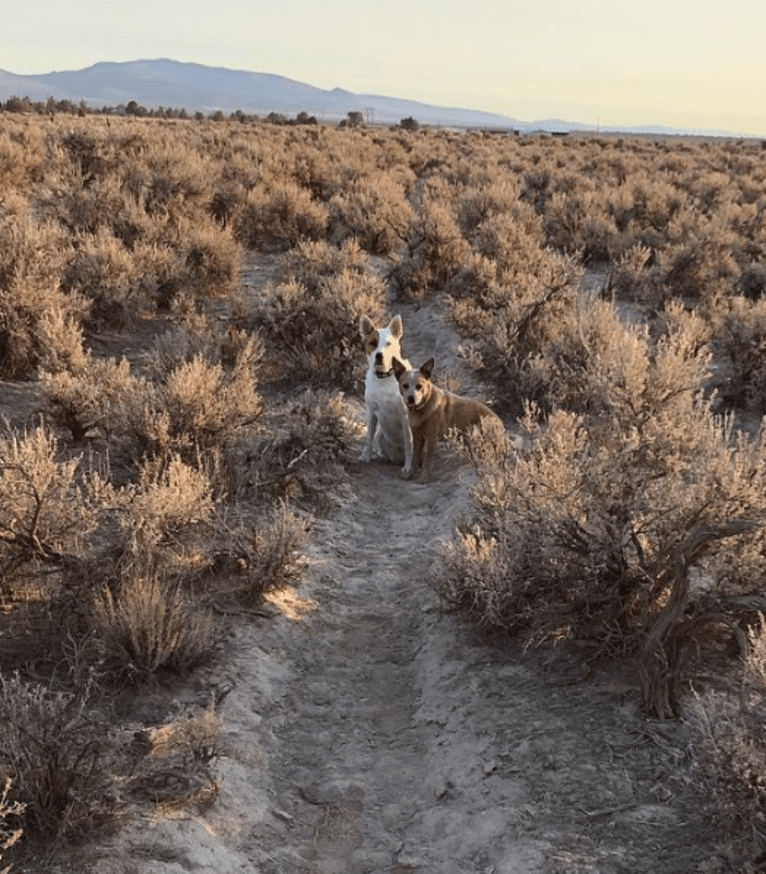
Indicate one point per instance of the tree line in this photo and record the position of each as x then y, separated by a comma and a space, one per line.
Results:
51, 106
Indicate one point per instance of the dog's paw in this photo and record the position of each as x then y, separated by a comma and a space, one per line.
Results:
365, 455
406, 473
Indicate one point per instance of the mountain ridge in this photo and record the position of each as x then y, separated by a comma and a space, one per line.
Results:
196, 87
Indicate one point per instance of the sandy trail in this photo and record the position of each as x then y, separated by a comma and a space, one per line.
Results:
368, 732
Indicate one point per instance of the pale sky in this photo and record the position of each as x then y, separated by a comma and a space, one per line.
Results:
684, 63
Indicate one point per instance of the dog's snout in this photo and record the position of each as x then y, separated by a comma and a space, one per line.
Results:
378, 357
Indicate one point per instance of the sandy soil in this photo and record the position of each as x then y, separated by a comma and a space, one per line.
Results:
367, 732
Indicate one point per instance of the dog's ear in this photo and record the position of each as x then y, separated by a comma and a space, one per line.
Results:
365, 325
427, 368
396, 325
399, 368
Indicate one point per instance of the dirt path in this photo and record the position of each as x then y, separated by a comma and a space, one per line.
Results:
368, 732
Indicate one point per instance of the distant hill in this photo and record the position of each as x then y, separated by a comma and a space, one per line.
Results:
26, 86
195, 87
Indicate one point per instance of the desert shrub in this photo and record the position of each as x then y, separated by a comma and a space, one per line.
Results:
579, 222
515, 323
576, 533
104, 272
102, 205
21, 163
61, 760
195, 334
480, 202
71, 773
315, 167
593, 359
193, 409
730, 757
309, 262
90, 153
513, 240
271, 553
312, 330
738, 326
175, 768
374, 210
170, 501
61, 340
149, 626
208, 260
121, 282
279, 216
224, 203
434, 250
603, 218
45, 512
177, 178
704, 259
31, 322
301, 450
752, 282
654, 202
632, 275
83, 396
31, 263
204, 401
15, 205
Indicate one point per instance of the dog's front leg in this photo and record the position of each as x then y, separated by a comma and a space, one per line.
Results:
427, 456
372, 425
417, 453
408, 468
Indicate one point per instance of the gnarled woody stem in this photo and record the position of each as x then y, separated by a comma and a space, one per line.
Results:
658, 670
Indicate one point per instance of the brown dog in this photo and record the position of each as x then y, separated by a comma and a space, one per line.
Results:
433, 412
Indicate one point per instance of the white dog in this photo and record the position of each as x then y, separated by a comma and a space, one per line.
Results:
388, 427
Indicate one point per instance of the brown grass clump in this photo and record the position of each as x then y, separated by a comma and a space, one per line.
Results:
174, 770
149, 626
